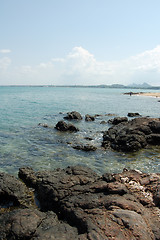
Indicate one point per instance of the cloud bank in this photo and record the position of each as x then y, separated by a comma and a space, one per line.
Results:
80, 67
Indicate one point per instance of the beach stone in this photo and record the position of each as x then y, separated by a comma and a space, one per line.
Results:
132, 135
73, 115
89, 118
63, 127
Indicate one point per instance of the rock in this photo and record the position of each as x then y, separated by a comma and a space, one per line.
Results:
86, 147
63, 126
73, 115
33, 224
13, 192
118, 120
103, 122
45, 125
77, 203
132, 135
133, 114
89, 118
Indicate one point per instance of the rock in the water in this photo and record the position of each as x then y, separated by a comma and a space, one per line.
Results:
86, 147
63, 126
89, 118
45, 125
73, 115
133, 135
118, 120
133, 114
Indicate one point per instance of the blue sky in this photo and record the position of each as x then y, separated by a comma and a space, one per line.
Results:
79, 42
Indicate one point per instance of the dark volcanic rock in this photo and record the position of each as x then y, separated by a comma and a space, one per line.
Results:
13, 192
89, 118
133, 114
73, 115
33, 224
118, 120
133, 135
79, 204
63, 126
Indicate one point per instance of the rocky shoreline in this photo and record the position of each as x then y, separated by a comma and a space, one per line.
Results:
76, 203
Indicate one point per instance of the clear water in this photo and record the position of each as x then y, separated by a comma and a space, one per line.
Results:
24, 143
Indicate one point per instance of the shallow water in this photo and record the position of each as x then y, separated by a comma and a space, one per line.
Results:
23, 142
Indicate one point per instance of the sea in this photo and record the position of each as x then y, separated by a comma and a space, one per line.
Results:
23, 142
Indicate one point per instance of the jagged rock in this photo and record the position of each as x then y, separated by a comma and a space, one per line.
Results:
13, 192
33, 224
77, 203
73, 115
117, 120
132, 135
133, 114
89, 118
63, 126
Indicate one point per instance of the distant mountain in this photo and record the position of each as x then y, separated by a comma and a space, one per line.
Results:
143, 85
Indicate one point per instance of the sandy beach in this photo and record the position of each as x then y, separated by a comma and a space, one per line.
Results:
148, 94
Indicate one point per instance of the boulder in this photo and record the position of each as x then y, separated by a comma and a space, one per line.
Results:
73, 115
117, 120
89, 118
63, 127
132, 135
133, 114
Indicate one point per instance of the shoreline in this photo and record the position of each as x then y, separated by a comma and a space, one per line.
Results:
145, 94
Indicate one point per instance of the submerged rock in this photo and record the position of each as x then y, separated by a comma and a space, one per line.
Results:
86, 147
73, 115
133, 135
76, 203
63, 127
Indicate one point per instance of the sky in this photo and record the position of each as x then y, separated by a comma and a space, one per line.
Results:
79, 42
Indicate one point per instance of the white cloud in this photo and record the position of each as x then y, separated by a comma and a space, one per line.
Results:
81, 67
4, 63
5, 50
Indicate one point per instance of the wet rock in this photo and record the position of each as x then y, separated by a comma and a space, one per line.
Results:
89, 118
103, 122
63, 126
133, 114
86, 147
118, 120
73, 115
132, 135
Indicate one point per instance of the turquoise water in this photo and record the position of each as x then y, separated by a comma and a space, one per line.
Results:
23, 142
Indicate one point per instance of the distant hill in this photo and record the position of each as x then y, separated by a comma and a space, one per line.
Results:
143, 85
